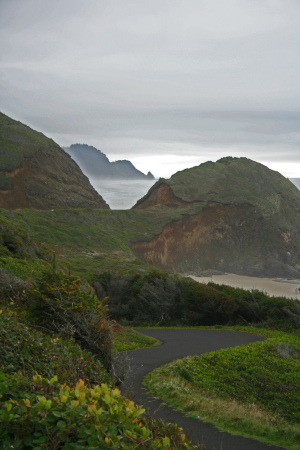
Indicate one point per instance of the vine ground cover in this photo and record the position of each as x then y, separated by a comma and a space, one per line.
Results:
252, 390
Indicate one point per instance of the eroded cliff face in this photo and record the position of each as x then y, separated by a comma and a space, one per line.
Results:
36, 173
223, 237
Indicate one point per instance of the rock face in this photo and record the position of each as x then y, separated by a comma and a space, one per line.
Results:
237, 216
36, 173
96, 164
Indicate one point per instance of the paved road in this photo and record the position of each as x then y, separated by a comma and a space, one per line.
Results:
178, 344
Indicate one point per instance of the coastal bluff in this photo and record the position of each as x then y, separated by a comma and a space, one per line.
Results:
36, 173
237, 216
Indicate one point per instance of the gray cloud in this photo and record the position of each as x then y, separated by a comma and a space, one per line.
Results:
186, 78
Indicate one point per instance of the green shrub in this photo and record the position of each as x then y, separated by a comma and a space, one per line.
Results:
44, 414
27, 351
62, 304
11, 286
204, 305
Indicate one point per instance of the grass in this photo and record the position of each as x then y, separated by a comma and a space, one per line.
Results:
18, 140
228, 179
92, 239
127, 339
252, 390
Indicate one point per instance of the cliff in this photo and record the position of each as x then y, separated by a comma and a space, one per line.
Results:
36, 173
237, 216
95, 163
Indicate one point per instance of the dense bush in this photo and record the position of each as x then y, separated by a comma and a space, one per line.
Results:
256, 306
62, 304
151, 297
44, 414
158, 298
11, 287
27, 352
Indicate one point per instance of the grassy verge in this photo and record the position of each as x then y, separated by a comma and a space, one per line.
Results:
127, 339
252, 390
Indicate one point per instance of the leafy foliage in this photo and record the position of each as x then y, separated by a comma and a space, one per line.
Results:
46, 414
60, 303
27, 351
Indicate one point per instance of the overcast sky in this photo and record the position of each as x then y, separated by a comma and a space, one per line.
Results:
167, 84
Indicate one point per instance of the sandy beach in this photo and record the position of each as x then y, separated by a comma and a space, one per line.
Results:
276, 287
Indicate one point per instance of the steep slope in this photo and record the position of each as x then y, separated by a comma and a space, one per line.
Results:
95, 163
245, 219
36, 173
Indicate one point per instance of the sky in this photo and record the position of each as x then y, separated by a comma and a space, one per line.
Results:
167, 84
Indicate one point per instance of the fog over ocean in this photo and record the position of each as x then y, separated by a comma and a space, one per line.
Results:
123, 194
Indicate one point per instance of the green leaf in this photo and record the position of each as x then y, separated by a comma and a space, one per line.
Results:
61, 424
53, 380
41, 440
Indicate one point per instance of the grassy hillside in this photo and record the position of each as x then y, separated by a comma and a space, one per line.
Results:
36, 173
92, 239
245, 220
235, 180
18, 141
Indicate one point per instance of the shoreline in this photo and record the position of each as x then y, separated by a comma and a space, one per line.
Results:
274, 287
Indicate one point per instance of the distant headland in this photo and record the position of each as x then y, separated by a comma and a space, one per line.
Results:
94, 163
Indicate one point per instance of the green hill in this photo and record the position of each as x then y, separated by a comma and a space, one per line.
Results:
36, 173
245, 220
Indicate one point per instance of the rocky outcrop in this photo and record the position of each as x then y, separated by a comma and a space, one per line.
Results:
36, 173
95, 164
245, 219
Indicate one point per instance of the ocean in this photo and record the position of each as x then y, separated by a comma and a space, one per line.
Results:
296, 182
123, 194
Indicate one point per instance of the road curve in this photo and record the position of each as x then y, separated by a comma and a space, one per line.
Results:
178, 344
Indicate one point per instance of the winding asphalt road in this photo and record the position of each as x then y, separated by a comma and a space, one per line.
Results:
177, 344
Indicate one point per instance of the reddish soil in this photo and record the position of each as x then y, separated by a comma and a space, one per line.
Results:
163, 195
